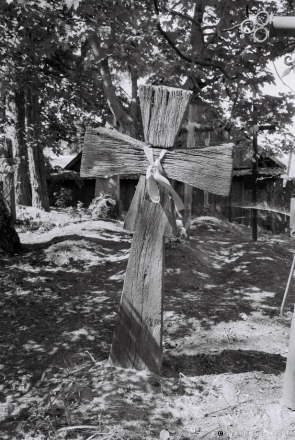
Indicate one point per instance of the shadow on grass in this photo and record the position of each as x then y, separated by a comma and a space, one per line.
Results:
235, 361
54, 311
58, 319
219, 280
45, 244
48, 309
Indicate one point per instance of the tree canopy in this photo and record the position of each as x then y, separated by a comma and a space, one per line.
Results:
77, 52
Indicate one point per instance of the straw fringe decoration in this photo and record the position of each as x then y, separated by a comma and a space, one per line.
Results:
162, 110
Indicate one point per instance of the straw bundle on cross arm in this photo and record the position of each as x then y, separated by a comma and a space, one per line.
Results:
162, 110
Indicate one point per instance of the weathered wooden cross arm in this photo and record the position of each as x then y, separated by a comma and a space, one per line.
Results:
110, 152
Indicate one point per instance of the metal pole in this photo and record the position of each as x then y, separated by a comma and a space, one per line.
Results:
254, 174
282, 26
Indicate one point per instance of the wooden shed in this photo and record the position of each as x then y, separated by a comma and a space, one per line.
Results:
273, 195
66, 174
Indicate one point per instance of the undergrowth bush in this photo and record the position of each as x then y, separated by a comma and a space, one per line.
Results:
25, 222
77, 212
63, 197
102, 206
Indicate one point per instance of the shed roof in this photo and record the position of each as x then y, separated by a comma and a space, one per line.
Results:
61, 161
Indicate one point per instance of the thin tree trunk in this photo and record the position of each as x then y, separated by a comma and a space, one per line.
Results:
35, 154
197, 43
134, 93
188, 189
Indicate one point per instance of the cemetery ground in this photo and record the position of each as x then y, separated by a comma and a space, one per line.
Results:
225, 346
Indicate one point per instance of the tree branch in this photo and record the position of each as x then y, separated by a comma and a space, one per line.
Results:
171, 43
183, 56
115, 105
185, 16
231, 29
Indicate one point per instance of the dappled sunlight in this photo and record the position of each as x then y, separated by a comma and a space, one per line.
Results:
115, 258
255, 289
176, 271
80, 333
58, 313
238, 254
265, 258
201, 274
241, 268
32, 345
60, 298
258, 296
221, 242
98, 298
118, 276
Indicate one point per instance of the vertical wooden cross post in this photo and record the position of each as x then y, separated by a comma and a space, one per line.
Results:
137, 341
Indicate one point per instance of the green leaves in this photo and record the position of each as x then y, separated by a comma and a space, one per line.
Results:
49, 41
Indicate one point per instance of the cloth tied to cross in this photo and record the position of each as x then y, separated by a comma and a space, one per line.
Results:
154, 176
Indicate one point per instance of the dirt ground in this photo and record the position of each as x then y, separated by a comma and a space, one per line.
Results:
225, 346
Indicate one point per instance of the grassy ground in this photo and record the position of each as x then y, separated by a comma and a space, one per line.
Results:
225, 346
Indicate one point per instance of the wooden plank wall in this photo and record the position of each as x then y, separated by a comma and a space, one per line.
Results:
237, 207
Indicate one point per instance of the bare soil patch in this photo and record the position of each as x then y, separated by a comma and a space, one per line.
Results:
225, 346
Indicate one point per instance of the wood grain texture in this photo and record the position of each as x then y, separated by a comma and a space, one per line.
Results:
162, 110
137, 341
108, 152
136, 209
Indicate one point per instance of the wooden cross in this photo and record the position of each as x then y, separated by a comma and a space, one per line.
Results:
137, 341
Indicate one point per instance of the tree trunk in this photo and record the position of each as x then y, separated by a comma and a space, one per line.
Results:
126, 121
134, 93
9, 194
14, 133
188, 189
35, 153
197, 43
23, 192
9, 240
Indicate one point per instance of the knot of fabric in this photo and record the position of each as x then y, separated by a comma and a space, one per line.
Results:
154, 176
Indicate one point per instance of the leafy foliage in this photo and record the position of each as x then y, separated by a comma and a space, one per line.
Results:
63, 197
102, 206
78, 53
